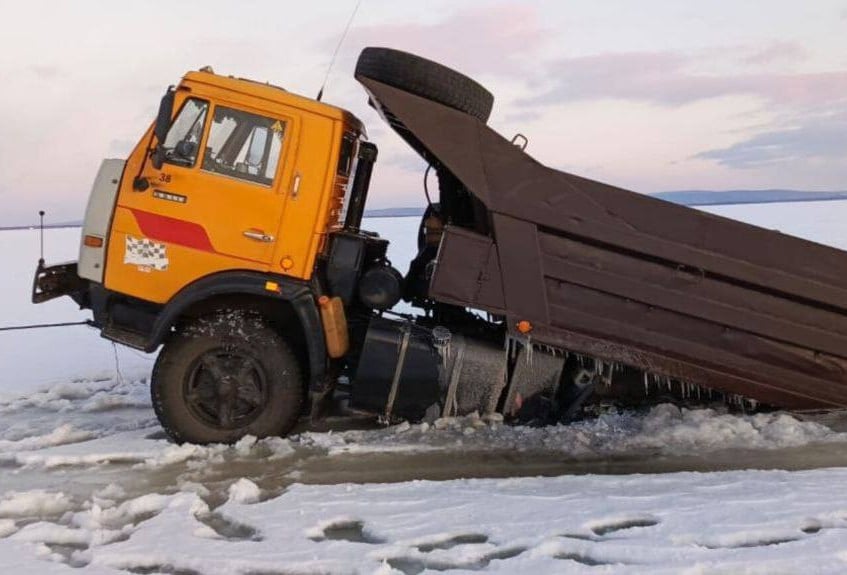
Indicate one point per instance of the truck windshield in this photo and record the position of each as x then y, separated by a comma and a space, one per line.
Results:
244, 145
183, 139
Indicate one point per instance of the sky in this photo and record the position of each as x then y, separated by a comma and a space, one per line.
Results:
653, 95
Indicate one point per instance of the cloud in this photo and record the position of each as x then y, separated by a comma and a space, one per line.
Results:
491, 39
407, 161
523, 116
45, 72
777, 52
822, 137
665, 78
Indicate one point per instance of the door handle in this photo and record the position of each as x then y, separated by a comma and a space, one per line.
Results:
257, 235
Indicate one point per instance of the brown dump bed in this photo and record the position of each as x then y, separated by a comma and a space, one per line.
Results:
628, 278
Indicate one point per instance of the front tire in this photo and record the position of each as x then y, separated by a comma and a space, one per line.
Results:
225, 376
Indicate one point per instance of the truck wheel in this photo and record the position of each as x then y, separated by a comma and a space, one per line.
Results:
427, 79
223, 377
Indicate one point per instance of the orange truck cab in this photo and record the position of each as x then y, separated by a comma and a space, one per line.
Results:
248, 176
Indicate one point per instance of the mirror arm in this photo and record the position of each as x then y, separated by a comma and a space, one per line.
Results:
159, 132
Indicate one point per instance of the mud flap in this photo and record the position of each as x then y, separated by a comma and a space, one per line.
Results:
320, 403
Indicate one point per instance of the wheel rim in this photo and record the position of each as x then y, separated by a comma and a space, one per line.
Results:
226, 389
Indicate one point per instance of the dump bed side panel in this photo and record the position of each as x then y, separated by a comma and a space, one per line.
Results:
625, 277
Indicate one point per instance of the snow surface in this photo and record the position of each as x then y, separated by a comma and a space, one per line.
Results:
88, 480
732, 522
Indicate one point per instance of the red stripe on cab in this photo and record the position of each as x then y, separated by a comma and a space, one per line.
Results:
172, 230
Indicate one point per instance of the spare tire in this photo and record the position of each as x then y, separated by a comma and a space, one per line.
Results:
427, 79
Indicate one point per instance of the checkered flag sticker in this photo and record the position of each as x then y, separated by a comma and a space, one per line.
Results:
147, 253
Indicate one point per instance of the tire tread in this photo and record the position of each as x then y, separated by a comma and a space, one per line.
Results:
427, 79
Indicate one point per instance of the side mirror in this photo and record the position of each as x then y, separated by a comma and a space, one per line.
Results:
163, 118
163, 123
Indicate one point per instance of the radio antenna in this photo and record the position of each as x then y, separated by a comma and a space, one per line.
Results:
41, 235
337, 48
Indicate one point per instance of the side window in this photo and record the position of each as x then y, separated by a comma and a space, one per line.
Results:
183, 140
244, 145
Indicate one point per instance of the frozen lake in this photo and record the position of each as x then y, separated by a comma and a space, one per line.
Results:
86, 478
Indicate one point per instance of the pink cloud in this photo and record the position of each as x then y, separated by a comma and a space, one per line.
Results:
777, 52
493, 39
667, 78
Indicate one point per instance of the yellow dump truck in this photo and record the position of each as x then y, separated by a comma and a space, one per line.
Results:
231, 239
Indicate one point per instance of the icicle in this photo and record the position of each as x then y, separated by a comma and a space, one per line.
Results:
442, 340
646, 385
511, 347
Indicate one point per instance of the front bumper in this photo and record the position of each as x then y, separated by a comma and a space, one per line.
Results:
57, 281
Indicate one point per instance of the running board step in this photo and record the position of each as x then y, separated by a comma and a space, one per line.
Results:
125, 337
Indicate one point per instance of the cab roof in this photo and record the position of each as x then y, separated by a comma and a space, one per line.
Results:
272, 93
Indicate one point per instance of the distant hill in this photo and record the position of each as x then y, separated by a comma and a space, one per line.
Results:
394, 212
707, 198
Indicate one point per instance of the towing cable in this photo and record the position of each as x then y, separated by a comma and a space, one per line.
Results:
41, 263
43, 325
118, 375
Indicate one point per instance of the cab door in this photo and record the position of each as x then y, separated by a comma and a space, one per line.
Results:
215, 204
240, 183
